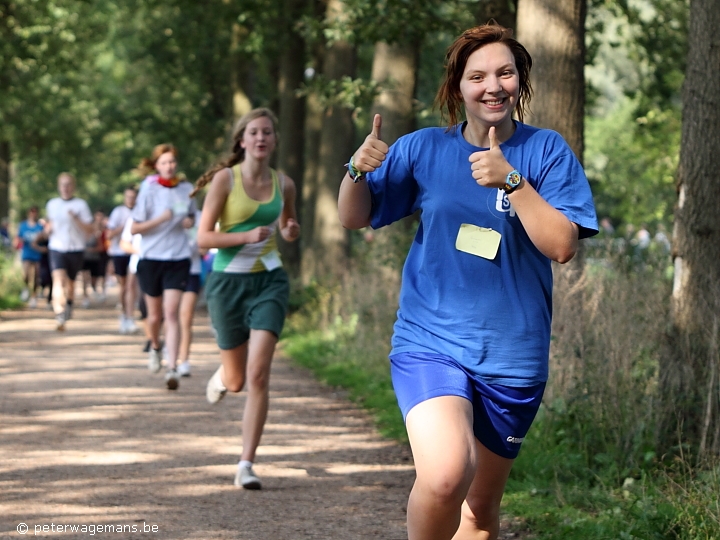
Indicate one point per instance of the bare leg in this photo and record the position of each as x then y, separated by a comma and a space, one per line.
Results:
171, 307
187, 311
445, 454
154, 318
481, 509
60, 296
128, 294
251, 362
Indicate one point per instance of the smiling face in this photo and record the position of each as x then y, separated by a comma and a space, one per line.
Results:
490, 86
259, 139
166, 165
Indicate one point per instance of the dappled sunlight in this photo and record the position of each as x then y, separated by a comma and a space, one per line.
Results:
355, 468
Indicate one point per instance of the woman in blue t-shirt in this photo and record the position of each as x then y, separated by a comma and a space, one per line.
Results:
500, 200
27, 232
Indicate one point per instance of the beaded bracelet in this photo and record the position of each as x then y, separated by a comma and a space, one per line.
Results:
353, 172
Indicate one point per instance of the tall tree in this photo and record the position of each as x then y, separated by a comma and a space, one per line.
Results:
553, 31
328, 249
292, 117
503, 11
690, 373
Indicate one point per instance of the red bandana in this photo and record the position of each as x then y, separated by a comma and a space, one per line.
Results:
168, 182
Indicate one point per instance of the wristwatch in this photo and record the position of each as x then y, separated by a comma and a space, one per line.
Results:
512, 181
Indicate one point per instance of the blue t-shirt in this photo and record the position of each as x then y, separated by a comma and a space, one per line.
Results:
492, 316
27, 234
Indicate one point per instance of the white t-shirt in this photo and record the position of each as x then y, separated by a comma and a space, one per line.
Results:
195, 259
135, 240
66, 235
118, 218
167, 241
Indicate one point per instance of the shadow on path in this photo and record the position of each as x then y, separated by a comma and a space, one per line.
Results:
89, 437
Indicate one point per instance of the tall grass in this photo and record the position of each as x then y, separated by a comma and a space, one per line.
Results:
589, 467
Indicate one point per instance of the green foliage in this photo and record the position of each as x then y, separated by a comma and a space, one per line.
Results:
631, 163
10, 282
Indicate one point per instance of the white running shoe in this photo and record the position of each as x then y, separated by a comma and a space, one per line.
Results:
32, 303
85, 303
246, 478
123, 325
154, 359
24, 295
215, 390
172, 379
60, 322
183, 369
131, 327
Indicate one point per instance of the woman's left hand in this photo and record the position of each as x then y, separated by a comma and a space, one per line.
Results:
489, 167
291, 231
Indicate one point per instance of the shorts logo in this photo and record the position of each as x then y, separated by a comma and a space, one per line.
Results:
515, 440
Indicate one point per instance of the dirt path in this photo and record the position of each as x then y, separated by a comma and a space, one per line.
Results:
89, 438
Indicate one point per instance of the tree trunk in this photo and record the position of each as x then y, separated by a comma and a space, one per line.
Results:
503, 11
553, 32
292, 118
4, 179
241, 74
329, 249
689, 373
395, 68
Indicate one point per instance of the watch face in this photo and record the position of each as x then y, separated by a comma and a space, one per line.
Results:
513, 179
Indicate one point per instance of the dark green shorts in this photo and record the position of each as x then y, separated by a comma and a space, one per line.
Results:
238, 303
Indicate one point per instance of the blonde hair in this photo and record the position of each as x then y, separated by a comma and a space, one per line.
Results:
237, 152
147, 165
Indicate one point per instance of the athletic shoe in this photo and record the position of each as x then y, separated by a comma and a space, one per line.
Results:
131, 327
215, 390
86, 303
60, 322
183, 369
246, 478
68, 311
123, 325
172, 379
154, 359
24, 295
32, 303
147, 346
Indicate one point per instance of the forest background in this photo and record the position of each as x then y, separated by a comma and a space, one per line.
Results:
627, 442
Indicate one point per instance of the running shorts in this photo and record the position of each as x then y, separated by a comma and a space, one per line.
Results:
238, 303
70, 261
502, 415
155, 276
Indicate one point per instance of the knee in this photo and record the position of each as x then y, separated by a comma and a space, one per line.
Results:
482, 511
446, 487
258, 381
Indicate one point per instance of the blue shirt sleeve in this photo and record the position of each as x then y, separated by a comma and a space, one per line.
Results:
393, 188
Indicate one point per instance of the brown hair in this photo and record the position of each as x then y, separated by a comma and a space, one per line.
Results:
147, 165
237, 152
448, 99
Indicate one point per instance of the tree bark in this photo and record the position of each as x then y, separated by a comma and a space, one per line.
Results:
292, 119
395, 68
689, 372
553, 31
503, 11
328, 251
4, 178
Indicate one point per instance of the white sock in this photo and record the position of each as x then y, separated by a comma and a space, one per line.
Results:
244, 463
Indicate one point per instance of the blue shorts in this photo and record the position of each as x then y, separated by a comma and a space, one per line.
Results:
502, 415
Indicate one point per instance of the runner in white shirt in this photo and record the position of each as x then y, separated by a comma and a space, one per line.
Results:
163, 211
69, 222
116, 223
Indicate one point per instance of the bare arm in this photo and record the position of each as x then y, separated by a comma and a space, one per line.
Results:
141, 227
215, 201
549, 230
354, 201
289, 226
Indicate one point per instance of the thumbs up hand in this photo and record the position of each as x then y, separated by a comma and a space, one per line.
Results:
373, 150
489, 167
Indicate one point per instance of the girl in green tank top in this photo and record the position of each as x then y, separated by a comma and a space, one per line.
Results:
247, 291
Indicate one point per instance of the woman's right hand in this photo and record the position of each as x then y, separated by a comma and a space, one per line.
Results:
258, 234
373, 150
